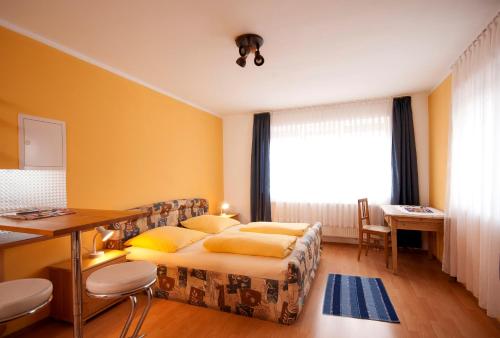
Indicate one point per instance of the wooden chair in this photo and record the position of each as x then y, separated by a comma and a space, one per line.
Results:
365, 227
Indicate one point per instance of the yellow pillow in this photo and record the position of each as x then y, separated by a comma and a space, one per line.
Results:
209, 223
248, 243
291, 229
166, 238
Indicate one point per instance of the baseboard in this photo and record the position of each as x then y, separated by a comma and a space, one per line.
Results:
336, 239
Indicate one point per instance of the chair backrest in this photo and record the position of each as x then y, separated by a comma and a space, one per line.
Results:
363, 212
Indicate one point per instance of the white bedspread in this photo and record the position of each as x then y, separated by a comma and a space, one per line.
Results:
197, 257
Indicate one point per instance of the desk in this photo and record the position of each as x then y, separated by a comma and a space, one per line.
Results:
399, 219
73, 224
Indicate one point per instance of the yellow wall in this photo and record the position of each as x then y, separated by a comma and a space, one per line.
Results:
126, 144
439, 119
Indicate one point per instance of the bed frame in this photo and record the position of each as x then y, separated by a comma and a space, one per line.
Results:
278, 300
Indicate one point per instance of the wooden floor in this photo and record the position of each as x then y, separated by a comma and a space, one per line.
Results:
427, 303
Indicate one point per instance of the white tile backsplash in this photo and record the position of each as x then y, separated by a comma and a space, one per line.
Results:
32, 188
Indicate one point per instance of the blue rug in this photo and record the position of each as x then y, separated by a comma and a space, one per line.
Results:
358, 297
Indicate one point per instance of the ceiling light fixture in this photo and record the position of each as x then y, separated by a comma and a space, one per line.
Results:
249, 43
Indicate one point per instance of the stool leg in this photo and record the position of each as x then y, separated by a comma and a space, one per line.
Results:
133, 303
149, 291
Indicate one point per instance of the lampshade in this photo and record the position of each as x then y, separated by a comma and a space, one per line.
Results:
225, 206
105, 233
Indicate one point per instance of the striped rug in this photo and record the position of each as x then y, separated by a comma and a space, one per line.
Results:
358, 297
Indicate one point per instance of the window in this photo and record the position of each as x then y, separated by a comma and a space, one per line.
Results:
331, 155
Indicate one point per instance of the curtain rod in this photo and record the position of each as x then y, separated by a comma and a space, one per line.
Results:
480, 35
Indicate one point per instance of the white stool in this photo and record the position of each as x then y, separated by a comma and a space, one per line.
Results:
121, 280
22, 297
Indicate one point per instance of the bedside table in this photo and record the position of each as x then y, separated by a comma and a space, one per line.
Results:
61, 307
235, 216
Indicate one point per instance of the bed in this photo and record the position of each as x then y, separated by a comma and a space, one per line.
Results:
267, 288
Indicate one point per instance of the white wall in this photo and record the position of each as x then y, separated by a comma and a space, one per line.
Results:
238, 149
421, 126
237, 144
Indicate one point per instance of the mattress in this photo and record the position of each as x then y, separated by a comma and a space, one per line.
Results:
195, 256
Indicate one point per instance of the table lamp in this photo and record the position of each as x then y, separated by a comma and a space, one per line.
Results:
223, 208
105, 234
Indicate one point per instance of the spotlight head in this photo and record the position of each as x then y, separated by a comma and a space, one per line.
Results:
258, 60
242, 61
243, 50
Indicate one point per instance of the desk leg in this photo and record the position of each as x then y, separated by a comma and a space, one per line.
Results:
394, 240
438, 244
76, 270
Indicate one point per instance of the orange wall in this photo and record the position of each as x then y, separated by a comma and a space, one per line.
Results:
439, 120
9, 152
126, 144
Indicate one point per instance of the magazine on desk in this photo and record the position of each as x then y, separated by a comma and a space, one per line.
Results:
416, 209
37, 213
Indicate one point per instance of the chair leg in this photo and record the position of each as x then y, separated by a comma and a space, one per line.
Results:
360, 244
367, 244
133, 303
149, 291
386, 250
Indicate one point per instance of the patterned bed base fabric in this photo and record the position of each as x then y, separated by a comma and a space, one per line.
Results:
275, 300
167, 213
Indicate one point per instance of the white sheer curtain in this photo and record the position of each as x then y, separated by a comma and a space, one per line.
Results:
323, 159
472, 232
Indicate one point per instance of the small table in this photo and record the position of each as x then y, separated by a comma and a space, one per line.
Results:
397, 218
73, 224
235, 216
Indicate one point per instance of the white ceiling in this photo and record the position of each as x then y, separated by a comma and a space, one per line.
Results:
316, 52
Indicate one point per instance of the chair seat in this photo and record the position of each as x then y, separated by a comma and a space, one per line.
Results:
23, 295
121, 278
377, 228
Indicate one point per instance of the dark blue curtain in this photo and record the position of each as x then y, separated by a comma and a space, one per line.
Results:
404, 165
260, 196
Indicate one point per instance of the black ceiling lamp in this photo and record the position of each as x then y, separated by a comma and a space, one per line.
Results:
249, 43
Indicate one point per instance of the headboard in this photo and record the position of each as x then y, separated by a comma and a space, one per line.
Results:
167, 213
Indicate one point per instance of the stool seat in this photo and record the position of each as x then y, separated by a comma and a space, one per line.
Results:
23, 295
121, 278
125, 279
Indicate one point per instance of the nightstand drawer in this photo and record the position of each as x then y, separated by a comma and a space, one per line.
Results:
60, 275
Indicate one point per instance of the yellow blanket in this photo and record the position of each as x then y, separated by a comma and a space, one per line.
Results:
251, 244
292, 229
